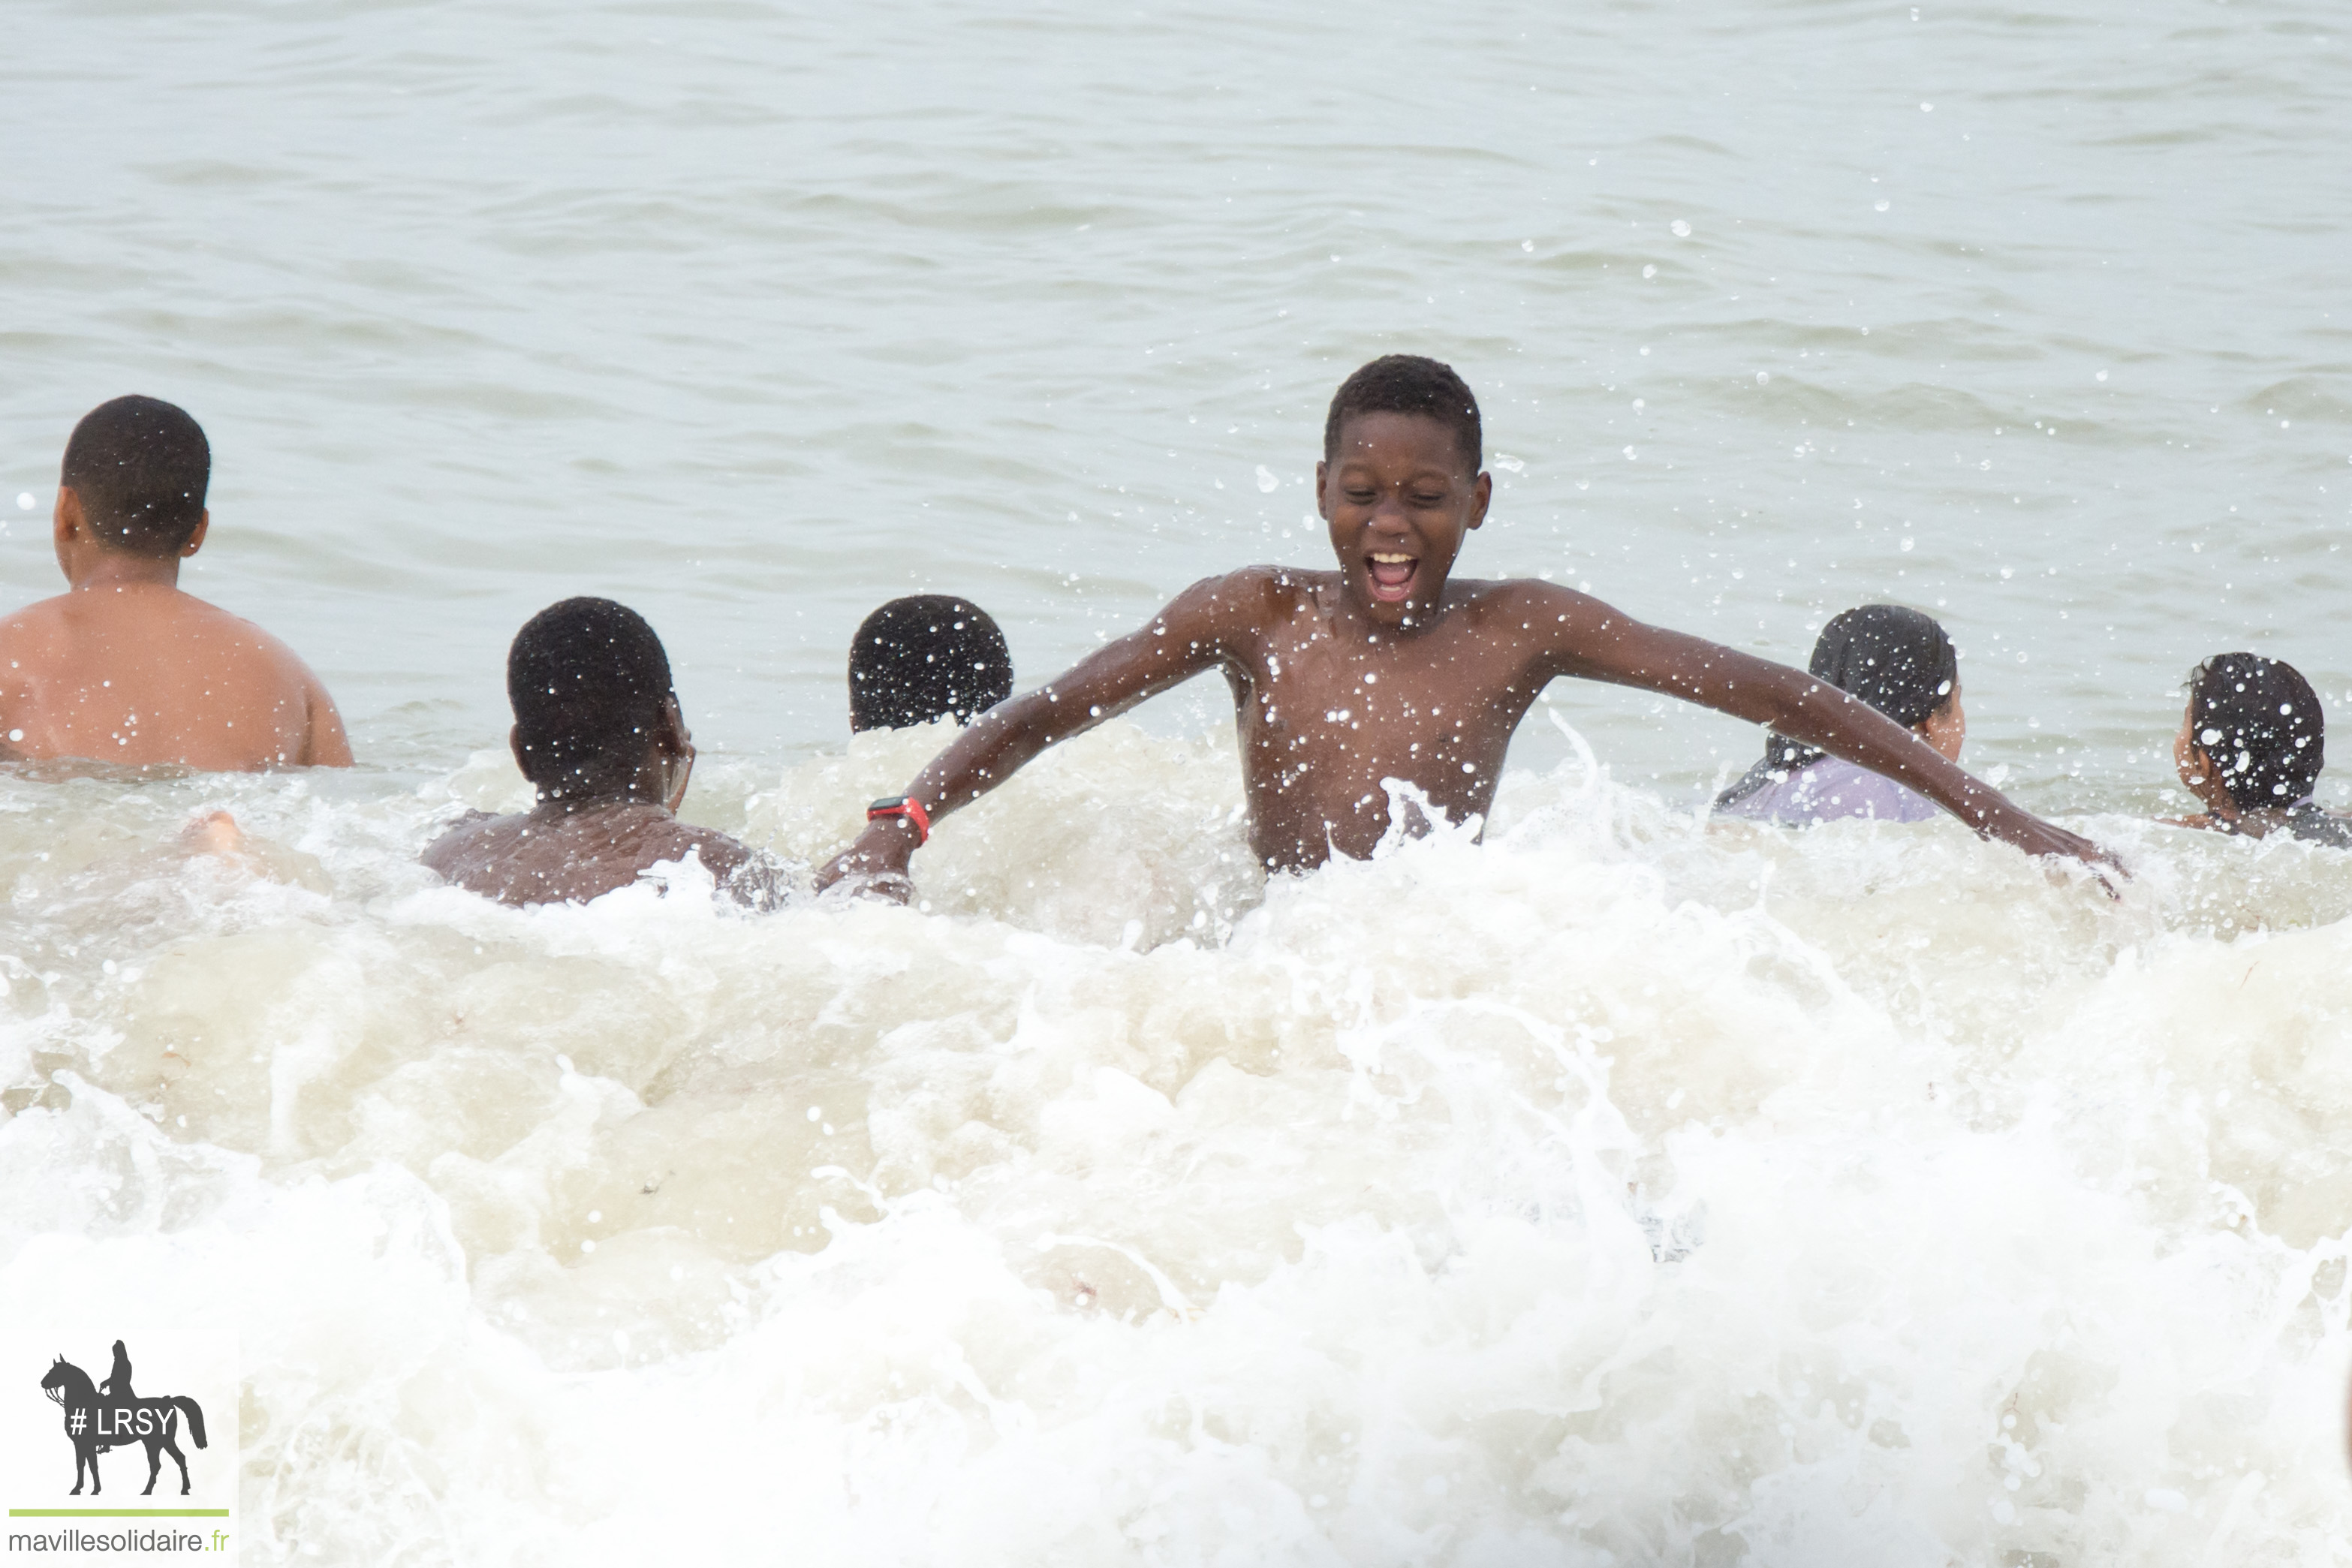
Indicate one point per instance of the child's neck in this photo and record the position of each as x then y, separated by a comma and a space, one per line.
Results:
1371, 631
105, 570
556, 807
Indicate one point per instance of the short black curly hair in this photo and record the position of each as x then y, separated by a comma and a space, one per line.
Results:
139, 467
588, 679
1408, 383
928, 654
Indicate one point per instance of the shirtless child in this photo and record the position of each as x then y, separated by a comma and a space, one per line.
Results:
599, 734
123, 667
1391, 668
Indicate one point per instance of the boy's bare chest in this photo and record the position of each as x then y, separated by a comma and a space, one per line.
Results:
1437, 696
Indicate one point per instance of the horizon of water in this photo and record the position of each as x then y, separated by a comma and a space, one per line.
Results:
1625, 1189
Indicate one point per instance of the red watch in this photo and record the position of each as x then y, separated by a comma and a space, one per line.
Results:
907, 807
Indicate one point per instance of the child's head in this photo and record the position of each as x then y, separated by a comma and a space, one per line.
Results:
139, 468
928, 654
1902, 663
594, 714
1400, 483
1408, 383
1899, 661
2253, 737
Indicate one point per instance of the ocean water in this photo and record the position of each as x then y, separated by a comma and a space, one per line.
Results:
1627, 1189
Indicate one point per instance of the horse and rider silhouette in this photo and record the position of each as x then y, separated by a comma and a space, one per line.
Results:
96, 1422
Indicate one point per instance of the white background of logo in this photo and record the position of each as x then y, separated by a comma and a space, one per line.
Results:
167, 1302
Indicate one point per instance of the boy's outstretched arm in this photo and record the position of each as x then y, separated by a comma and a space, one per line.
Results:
1604, 645
1197, 631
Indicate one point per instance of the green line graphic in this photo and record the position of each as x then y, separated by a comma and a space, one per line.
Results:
117, 1513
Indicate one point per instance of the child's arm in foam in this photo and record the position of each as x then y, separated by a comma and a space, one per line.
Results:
1207, 625
1592, 640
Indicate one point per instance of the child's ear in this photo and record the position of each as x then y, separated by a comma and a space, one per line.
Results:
1483, 493
514, 744
68, 531
675, 737
1322, 477
197, 539
676, 745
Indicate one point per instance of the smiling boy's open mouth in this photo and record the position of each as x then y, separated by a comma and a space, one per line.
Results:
1392, 575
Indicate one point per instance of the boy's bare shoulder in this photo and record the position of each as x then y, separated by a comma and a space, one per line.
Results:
1272, 587
35, 622
1531, 599
63, 621
228, 626
522, 860
1252, 599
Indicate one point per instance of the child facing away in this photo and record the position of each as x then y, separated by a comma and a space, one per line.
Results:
599, 734
1390, 668
1901, 663
923, 657
123, 667
2252, 743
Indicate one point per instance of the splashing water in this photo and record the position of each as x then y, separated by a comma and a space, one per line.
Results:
1625, 1189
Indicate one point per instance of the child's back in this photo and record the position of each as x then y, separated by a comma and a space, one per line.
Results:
126, 668
147, 673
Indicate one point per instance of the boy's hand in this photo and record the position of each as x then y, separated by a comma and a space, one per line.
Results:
2036, 837
876, 865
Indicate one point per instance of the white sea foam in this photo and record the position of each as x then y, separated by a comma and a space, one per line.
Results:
1628, 1188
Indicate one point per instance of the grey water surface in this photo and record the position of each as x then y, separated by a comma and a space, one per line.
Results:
753, 315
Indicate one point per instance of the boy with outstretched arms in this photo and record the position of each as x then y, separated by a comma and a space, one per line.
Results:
599, 734
123, 667
1390, 667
